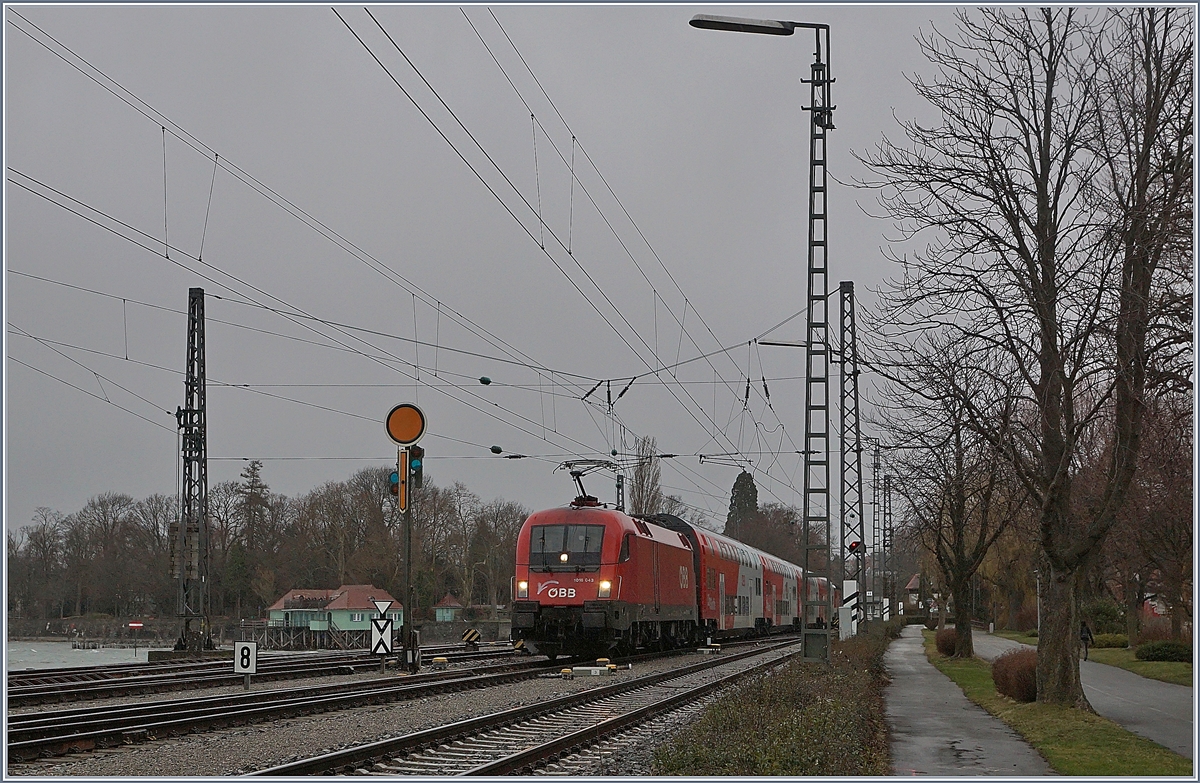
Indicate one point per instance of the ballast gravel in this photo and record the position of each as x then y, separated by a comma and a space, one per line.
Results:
235, 751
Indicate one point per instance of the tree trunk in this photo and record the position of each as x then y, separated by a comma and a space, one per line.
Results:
1133, 605
1016, 600
964, 646
1058, 642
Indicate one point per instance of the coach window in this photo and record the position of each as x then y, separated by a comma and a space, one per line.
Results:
758, 587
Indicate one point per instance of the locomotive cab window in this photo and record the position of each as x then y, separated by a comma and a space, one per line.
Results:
624, 555
565, 547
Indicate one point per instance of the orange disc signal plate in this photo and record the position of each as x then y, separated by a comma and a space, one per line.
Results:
405, 424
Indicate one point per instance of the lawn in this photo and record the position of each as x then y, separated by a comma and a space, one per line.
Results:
1166, 671
1016, 636
1073, 742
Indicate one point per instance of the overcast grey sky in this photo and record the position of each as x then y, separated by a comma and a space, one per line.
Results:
699, 134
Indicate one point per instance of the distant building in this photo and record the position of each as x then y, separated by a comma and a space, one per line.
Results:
447, 610
912, 592
348, 608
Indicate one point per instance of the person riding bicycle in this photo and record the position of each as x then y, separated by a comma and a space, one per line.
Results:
1085, 638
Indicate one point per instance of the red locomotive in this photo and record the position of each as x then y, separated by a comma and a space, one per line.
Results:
591, 580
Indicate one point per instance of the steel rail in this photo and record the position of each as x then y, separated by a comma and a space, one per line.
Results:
84, 674
590, 735
23, 725
349, 759
211, 677
31, 739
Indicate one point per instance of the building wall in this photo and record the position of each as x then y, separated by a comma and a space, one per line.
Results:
320, 619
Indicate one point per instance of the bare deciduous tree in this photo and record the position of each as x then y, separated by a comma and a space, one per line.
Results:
1056, 182
959, 492
645, 491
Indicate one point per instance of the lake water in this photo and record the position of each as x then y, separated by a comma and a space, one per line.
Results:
57, 655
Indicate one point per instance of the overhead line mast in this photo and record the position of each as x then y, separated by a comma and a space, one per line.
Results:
853, 564
817, 544
189, 535
816, 536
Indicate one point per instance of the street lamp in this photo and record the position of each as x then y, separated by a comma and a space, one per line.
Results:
816, 640
822, 114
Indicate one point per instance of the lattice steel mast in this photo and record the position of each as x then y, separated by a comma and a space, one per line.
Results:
887, 586
817, 544
189, 536
853, 565
816, 611
876, 520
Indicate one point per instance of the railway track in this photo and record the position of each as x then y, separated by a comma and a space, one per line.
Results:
102, 682
522, 738
44, 734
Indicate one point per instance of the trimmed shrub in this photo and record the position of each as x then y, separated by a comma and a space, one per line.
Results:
1032, 633
945, 641
1015, 674
1164, 651
931, 622
1111, 640
1105, 616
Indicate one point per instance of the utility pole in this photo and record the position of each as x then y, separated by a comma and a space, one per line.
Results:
876, 518
817, 545
189, 535
853, 565
885, 552
816, 535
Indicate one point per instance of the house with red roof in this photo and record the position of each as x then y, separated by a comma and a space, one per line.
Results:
912, 594
447, 610
347, 608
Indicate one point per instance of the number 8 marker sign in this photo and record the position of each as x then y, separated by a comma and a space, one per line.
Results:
245, 657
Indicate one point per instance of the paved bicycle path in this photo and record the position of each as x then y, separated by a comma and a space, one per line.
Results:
936, 730
1159, 711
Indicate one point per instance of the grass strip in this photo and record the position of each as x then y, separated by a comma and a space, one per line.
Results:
1016, 636
804, 719
1073, 742
1177, 673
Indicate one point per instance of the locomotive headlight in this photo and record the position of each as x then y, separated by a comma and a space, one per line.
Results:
522, 589
563, 557
605, 589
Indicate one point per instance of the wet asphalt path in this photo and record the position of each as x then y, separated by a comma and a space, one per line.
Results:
936, 730
1159, 711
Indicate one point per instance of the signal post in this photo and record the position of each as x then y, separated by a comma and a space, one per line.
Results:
405, 425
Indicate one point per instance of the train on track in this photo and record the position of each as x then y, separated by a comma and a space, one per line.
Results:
591, 580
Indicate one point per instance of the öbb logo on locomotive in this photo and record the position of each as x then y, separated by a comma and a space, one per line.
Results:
648, 581
556, 592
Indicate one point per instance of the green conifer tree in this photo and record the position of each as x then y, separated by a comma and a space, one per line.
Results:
743, 504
